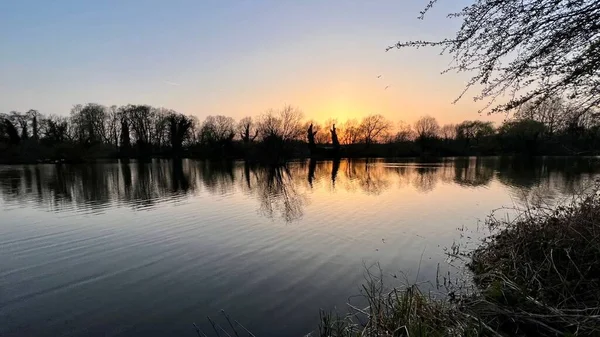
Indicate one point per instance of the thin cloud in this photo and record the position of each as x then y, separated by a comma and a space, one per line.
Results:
172, 83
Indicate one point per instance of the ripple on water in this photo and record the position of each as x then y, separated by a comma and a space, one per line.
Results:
146, 249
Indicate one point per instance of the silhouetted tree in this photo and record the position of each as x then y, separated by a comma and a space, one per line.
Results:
20, 120
113, 125
319, 136
404, 132
141, 122
351, 133
88, 122
284, 124
10, 130
34, 115
310, 135
334, 138
521, 135
56, 130
427, 127
217, 129
125, 140
179, 127
373, 128
448, 132
510, 45
247, 130
551, 112
468, 131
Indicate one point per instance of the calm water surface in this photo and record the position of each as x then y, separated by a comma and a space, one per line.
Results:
127, 249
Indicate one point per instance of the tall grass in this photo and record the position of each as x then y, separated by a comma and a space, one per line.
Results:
538, 275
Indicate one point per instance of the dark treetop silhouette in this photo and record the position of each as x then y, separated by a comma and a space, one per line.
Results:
92, 131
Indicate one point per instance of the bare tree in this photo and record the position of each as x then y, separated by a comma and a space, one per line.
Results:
161, 135
291, 119
351, 132
179, 130
20, 120
217, 129
448, 131
284, 124
531, 49
7, 126
88, 122
141, 121
551, 112
124, 139
56, 129
474, 130
374, 128
113, 125
33, 115
427, 127
404, 132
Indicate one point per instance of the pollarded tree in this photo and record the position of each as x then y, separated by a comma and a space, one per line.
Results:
247, 130
529, 49
320, 133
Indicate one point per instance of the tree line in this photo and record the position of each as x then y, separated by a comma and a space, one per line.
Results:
94, 131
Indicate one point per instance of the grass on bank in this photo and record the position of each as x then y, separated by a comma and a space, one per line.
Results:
538, 275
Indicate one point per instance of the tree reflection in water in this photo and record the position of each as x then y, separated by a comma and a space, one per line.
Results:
281, 191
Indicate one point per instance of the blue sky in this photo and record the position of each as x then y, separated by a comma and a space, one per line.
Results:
234, 58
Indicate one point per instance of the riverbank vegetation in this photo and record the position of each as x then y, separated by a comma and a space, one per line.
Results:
93, 131
538, 275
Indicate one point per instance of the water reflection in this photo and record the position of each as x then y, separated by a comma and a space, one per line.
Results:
281, 192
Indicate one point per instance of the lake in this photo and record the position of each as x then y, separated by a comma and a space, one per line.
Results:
148, 248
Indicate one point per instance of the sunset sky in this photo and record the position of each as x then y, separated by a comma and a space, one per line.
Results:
230, 57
